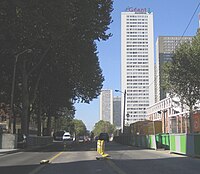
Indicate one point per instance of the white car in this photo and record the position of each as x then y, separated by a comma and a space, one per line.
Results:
66, 136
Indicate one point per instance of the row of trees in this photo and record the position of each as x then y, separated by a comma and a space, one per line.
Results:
73, 126
103, 126
52, 44
182, 74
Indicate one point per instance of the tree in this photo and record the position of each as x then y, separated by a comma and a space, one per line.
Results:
62, 38
79, 127
103, 126
182, 74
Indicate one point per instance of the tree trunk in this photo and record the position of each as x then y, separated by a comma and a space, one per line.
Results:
39, 120
191, 120
49, 123
25, 101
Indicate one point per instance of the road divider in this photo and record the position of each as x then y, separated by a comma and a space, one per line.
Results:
50, 160
101, 149
44, 161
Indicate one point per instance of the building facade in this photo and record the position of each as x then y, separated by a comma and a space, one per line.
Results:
174, 116
117, 111
106, 105
165, 47
137, 63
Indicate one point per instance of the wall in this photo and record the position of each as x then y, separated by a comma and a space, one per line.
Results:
8, 141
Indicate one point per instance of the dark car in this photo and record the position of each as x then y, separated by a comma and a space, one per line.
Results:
58, 136
104, 136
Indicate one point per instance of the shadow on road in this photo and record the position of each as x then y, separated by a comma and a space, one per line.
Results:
116, 166
59, 147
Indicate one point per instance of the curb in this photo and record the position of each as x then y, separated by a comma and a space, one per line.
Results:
9, 152
2, 153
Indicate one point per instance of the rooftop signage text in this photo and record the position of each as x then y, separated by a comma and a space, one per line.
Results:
138, 10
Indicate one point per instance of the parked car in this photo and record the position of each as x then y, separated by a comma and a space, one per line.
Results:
67, 139
58, 135
104, 136
67, 136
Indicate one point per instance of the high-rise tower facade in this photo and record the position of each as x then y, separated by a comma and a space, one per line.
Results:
117, 111
137, 63
165, 47
106, 105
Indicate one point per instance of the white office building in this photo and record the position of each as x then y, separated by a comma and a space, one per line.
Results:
106, 105
137, 63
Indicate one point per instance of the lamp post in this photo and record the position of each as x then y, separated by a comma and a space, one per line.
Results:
154, 132
164, 111
13, 90
124, 107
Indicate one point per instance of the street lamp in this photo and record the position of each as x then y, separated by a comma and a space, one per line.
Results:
124, 107
163, 111
13, 89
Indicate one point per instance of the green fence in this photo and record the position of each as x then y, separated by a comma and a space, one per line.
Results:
187, 144
197, 145
178, 143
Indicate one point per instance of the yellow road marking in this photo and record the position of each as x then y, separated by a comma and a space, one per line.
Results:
36, 170
56, 156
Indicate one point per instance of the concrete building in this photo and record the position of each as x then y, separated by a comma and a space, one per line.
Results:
174, 115
137, 63
106, 105
117, 111
165, 47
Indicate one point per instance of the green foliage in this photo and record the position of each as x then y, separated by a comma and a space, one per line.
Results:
61, 35
79, 127
103, 126
182, 73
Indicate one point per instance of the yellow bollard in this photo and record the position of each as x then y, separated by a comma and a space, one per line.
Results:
101, 148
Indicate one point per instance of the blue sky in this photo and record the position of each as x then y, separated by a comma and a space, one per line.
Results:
171, 17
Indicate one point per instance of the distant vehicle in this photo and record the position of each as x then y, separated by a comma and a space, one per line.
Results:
66, 136
104, 136
58, 135
67, 139
81, 139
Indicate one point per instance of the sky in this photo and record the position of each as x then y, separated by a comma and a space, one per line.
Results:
171, 18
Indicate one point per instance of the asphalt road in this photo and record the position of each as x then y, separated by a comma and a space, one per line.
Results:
81, 159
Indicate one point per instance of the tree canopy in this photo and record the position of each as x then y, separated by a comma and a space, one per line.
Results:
79, 127
182, 73
103, 126
62, 66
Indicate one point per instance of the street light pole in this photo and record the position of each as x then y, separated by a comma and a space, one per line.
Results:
164, 119
123, 121
13, 90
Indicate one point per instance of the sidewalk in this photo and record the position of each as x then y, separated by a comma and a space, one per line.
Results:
8, 151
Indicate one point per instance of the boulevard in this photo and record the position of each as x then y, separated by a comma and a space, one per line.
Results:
81, 159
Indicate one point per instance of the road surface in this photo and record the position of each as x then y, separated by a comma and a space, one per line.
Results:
81, 159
